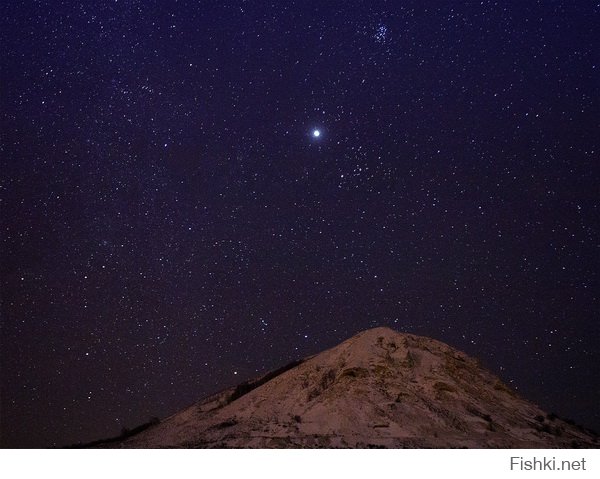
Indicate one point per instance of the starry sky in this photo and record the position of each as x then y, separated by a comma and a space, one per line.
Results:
172, 224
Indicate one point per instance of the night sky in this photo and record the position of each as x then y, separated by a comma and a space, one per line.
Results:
172, 224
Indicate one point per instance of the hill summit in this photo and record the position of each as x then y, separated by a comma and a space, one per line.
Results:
379, 388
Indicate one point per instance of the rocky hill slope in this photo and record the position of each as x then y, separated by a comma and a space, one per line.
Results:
379, 388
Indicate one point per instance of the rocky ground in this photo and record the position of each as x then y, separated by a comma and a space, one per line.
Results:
379, 388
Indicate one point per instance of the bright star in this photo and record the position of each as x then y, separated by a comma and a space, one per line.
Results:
316, 133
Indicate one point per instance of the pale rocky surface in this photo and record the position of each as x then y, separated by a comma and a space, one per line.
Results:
379, 388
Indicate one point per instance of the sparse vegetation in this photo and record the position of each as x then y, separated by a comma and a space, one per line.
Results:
225, 424
125, 433
500, 386
326, 380
549, 429
246, 387
585, 430
478, 413
354, 373
411, 360
380, 370
241, 390
443, 387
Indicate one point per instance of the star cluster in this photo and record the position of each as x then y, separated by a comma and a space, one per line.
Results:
169, 228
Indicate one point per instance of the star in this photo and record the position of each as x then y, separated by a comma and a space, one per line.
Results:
316, 133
